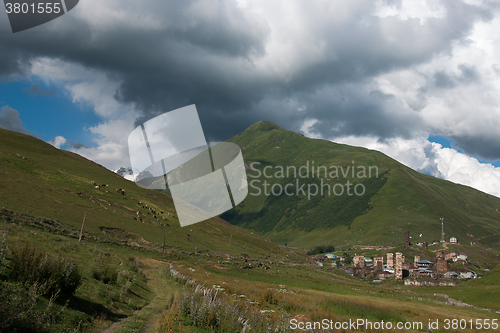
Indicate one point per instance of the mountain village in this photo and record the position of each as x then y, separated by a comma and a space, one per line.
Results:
442, 271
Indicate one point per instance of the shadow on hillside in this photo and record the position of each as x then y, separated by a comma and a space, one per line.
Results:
90, 308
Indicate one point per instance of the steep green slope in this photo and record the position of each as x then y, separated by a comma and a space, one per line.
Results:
38, 180
396, 198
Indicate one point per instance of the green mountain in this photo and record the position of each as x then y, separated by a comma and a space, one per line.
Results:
392, 198
56, 189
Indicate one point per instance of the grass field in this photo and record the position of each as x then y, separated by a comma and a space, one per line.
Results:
148, 299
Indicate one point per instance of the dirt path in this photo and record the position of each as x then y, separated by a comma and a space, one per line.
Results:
144, 320
444, 245
111, 328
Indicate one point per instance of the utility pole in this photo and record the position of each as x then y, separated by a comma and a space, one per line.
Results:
163, 244
81, 230
230, 240
194, 233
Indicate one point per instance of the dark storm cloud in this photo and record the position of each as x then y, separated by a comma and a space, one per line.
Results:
229, 99
9, 119
37, 89
207, 53
77, 145
350, 111
482, 147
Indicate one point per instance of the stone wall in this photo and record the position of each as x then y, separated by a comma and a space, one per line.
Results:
415, 282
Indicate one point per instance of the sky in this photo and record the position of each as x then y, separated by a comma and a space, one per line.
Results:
417, 80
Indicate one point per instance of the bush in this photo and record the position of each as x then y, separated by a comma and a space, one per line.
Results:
270, 297
103, 270
4, 250
23, 310
202, 309
53, 274
321, 249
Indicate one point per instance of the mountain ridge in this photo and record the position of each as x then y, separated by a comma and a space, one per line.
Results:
408, 200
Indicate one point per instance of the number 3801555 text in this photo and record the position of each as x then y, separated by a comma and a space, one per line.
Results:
39, 8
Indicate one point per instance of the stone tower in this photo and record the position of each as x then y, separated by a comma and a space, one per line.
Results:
439, 255
417, 259
400, 259
390, 260
359, 260
378, 263
407, 238
442, 267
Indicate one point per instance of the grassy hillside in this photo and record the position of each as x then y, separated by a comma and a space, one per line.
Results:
396, 199
38, 180
45, 193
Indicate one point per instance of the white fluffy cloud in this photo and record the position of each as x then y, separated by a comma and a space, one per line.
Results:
431, 158
466, 170
58, 141
97, 90
456, 94
111, 139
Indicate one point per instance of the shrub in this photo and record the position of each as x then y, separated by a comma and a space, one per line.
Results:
22, 309
321, 249
170, 321
103, 270
270, 297
4, 250
53, 274
205, 310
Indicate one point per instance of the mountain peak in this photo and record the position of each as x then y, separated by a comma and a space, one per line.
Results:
264, 126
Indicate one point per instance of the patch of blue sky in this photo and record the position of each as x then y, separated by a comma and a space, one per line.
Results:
49, 112
447, 143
